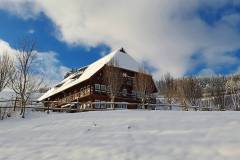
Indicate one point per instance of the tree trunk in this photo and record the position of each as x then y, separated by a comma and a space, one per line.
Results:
48, 108
21, 109
185, 108
23, 105
143, 106
112, 102
15, 103
170, 104
23, 115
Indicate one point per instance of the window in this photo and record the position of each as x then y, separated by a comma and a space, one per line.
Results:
134, 94
97, 105
76, 76
109, 88
129, 82
124, 106
103, 88
108, 106
97, 87
103, 105
124, 92
124, 74
59, 85
121, 106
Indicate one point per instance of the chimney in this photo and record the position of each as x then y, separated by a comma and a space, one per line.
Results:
123, 51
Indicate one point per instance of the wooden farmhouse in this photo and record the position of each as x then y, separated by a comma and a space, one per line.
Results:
116, 77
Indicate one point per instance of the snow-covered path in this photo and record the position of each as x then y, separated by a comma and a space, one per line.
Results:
122, 135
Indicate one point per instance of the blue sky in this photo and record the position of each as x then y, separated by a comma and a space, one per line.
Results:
42, 30
181, 37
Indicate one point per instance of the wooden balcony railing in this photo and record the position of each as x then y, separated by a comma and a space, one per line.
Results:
72, 97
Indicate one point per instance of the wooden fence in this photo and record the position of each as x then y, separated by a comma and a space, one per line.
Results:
38, 106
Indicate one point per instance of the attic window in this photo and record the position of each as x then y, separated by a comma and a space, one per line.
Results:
76, 76
59, 85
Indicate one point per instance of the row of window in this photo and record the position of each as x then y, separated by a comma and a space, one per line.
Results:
103, 88
121, 106
103, 105
99, 87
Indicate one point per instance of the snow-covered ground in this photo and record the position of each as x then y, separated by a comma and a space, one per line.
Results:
122, 135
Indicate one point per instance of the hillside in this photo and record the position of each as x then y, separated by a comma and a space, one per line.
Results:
121, 135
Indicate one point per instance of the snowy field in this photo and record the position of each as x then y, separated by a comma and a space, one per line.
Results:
122, 135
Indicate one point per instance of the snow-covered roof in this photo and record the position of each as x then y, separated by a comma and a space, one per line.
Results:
123, 59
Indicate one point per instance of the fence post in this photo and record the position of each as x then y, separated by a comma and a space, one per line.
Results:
48, 109
15, 103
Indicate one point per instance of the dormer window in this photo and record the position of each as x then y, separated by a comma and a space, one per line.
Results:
76, 76
59, 85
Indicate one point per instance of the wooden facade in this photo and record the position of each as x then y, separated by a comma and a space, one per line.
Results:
95, 90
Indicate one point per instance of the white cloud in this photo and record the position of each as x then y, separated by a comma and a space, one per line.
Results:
24, 8
5, 47
207, 72
46, 64
102, 53
163, 33
31, 31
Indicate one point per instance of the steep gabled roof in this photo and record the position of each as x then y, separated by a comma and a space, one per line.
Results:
124, 61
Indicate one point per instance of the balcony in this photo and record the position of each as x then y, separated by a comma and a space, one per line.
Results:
73, 96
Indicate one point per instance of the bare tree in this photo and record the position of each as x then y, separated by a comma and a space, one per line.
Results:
113, 78
6, 70
167, 87
24, 82
233, 89
217, 90
144, 85
189, 91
